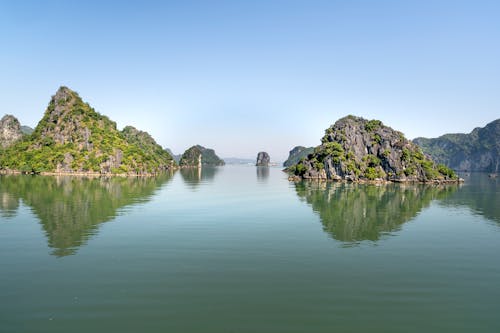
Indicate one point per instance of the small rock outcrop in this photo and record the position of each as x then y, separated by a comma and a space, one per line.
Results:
356, 149
296, 154
10, 131
263, 159
476, 151
73, 138
197, 156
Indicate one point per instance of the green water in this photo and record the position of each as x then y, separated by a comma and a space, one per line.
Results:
241, 249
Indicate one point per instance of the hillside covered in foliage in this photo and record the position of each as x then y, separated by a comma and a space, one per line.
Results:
476, 151
356, 149
73, 138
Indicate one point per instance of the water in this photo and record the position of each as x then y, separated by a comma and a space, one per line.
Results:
241, 249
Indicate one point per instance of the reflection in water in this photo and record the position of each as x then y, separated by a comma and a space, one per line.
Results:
8, 204
70, 209
480, 193
355, 212
194, 176
262, 173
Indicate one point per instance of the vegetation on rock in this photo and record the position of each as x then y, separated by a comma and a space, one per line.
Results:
196, 155
73, 137
476, 151
296, 154
357, 149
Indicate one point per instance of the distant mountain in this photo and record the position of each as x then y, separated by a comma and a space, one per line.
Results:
196, 155
177, 157
357, 149
73, 137
26, 130
477, 151
237, 160
296, 154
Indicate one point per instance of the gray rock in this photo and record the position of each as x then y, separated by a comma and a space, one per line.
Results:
356, 149
10, 131
263, 159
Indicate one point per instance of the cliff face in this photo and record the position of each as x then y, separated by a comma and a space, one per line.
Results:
263, 159
198, 156
358, 149
10, 131
476, 151
73, 137
296, 154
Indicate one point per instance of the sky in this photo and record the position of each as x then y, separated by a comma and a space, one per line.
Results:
247, 76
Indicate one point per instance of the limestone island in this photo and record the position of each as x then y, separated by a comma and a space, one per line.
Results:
359, 150
198, 156
263, 159
72, 138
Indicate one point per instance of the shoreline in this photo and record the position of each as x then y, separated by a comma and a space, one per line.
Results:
380, 181
85, 174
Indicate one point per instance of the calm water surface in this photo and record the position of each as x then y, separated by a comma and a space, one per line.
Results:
241, 249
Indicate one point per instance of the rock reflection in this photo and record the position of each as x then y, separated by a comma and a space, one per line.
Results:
480, 194
353, 212
262, 173
193, 177
70, 209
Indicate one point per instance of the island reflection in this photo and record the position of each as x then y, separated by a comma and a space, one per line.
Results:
355, 212
70, 209
193, 177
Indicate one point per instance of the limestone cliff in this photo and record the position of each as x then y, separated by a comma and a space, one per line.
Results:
73, 137
476, 151
357, 149
10, 131
263, 159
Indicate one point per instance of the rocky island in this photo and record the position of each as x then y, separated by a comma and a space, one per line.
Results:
198, 156
356, 149
263, 159
73, 138
476, 151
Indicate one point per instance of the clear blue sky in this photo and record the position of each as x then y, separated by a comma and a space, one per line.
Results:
245, 76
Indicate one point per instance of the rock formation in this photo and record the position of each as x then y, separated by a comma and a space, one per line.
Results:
357, 149
476, 151
296, 154
197, 156
73, 137
263, 159
10, 131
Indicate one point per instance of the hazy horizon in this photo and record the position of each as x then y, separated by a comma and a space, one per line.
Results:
259, 76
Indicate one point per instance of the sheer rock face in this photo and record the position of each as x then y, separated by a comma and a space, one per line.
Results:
357, 149
476, 151
263, 159
10, 131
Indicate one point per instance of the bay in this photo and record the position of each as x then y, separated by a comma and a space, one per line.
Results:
242, 249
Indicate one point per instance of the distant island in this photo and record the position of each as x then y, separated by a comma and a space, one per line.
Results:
73, 138
198, 156
476, 151
358, 150
263, 159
